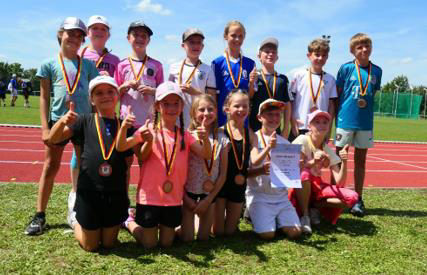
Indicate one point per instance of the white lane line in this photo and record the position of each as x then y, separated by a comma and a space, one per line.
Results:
401, 163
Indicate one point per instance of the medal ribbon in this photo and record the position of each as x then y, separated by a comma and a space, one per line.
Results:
261, 136
319, 88
271, 95
363, 89
208, 165
101, 140
169, 161
190, 78
141, 70
227, 58
239, 164
70, 89
101, 57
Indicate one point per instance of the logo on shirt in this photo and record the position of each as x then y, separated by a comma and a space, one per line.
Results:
150, 71
201, 75
224, 73
373, 79
245, 74
338, 137
353, 78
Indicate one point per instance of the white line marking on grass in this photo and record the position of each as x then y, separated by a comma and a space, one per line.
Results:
401, 163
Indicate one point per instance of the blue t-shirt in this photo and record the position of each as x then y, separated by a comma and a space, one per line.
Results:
349, 114
51, 69
224, 83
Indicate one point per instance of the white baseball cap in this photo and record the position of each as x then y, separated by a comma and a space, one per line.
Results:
97, 19
102, 79
269, 41
167, 88
71, 23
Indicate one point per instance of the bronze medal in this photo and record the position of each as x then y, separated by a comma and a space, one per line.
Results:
361, 103
312, 109
167, 186
105, 170
208, 186
239, 179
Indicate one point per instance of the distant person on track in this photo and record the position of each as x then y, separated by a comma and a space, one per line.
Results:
2, 93
357, 82
13, 88
67, 76
27, 89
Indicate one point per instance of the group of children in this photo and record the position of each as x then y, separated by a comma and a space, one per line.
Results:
202, 138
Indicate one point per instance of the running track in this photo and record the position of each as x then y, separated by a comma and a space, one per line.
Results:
389, 165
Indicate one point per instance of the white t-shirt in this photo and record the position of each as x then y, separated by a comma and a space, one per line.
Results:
300, 89
197, 173
259, 188
202, 79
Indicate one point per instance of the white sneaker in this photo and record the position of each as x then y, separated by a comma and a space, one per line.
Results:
305, 224
71, 215
314, 216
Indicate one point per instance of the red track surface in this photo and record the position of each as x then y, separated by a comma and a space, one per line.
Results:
388, 165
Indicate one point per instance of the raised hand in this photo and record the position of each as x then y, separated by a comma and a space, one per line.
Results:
71, 116
129, 119
273, 140
201, 130
253, 75
266, 167
145, 132
344, 152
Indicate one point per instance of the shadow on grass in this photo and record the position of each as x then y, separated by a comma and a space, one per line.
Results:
395, 213
199, 254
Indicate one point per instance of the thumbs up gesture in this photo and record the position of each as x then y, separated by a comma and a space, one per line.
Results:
201, 130
129, 119
145, 132
273, 140
344, 152
253, 75
71, 116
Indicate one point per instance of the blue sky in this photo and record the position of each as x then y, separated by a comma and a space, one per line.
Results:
398, 29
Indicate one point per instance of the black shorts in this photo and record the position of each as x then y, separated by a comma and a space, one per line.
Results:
198, 197
62, 143
3, 95
150, 216
97, 209
232, 192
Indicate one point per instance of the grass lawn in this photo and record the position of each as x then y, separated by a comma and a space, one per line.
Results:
385, 128
391, 239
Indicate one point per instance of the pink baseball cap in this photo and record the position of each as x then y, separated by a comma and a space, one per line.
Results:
318, 113
167, 88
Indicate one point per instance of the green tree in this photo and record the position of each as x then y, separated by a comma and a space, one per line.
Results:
400, 83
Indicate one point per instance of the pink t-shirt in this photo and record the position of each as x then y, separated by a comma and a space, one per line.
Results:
109, 62
152, 76
153, 171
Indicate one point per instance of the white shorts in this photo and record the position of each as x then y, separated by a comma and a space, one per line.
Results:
267, 217
14, 92
359, 139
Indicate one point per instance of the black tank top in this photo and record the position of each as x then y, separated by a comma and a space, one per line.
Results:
232, 169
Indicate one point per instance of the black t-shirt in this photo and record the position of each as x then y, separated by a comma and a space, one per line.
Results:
261, 95
85, 134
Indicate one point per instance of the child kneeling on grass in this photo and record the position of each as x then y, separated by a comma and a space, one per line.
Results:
101, 200
329, 199
269, 207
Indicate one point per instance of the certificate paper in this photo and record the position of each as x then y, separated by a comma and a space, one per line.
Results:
284, 166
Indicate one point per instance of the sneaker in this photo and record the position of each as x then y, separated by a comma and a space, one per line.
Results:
305, 224
71, 215
36, 226
314, 216
358, 209
131, 217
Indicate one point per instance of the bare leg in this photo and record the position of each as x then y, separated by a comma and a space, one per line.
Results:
303, 196
292, 232
88, 239
148, 237
232, 217
167, 235
205, 224
109, 236
359, 169
331, 202
187, 225
219, 218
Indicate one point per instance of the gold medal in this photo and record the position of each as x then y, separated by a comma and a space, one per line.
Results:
190, 78
314, 97
239, 179
70, 88
105, 169
363, 89
101, 57
141, 70
361, 103
167, 186
208, 186
270, 94
235, 83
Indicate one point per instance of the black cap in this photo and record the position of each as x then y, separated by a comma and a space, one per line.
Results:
139, 24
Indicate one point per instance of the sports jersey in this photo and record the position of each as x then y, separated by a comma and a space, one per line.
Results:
261, 94
301, 91
152, 76
108, 63
85, 133
349, 114
51, 70
202, 79
224, 83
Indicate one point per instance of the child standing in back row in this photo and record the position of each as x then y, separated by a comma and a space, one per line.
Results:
193, 76
357, 82
232, 69
312, 89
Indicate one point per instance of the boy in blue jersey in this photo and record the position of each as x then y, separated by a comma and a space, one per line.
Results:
357, 82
